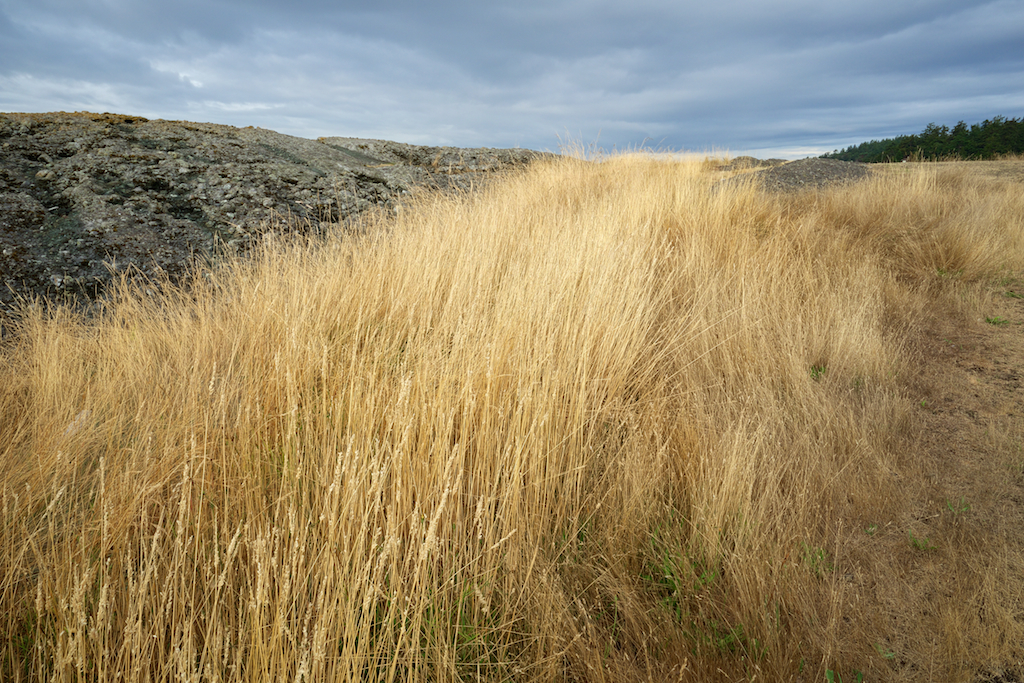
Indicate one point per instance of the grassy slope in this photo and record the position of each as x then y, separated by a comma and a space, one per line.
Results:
599, 421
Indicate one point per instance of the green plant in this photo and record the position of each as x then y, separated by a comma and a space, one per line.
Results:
610, 615
816, 560
957, 508
871, 530
834, 676
23, 639
919, 543
478, 630
818, 371
726, 639
1012, 294
996, 320
885, 652
677, 576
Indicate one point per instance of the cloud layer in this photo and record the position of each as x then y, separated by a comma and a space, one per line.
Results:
789, 78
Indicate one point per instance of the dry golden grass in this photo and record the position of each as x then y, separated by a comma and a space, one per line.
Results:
594, 422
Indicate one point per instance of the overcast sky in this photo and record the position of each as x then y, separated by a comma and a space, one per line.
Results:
790, 78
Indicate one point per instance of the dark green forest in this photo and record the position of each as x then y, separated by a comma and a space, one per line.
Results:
985, 140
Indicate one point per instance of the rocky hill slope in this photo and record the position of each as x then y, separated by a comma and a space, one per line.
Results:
85, 196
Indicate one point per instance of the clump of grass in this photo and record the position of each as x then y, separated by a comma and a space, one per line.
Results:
443, 449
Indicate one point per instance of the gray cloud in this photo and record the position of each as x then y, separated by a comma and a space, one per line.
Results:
793, 77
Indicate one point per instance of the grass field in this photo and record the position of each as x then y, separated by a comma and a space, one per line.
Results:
594, 422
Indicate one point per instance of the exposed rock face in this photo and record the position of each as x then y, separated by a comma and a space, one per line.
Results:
812, 173
803, 174
84, 196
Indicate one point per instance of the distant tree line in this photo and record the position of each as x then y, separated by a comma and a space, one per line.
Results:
983, 140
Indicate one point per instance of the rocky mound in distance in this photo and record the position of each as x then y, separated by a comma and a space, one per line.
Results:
776, 175
744, 163
86, 196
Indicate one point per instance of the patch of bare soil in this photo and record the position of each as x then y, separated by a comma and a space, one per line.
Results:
955, 603
974, 432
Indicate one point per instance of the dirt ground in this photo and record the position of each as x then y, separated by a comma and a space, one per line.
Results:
940, 572
957, 555
972, 432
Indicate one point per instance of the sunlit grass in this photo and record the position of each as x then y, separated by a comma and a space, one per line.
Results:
595, 421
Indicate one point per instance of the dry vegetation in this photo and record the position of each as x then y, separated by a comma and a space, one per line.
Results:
595, 422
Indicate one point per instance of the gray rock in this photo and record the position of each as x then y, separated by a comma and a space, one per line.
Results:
812, 173
86, 196
802, 174
745, 162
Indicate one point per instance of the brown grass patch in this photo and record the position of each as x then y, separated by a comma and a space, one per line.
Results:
594, 422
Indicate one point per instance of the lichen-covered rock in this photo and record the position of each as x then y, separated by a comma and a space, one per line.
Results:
812, 173
84, 196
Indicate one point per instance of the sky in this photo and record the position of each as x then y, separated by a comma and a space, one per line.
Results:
787, 78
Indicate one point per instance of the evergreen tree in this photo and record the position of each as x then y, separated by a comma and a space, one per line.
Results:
984, 140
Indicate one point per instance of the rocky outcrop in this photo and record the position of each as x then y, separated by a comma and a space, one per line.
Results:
812, 173
86, 196
803, 174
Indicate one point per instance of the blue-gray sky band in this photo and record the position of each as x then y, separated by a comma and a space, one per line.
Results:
791, 78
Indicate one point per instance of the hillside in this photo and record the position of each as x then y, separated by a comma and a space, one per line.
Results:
646, 419
84, 197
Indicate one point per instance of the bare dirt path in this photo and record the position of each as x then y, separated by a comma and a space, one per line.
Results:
958, 554
936, 580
